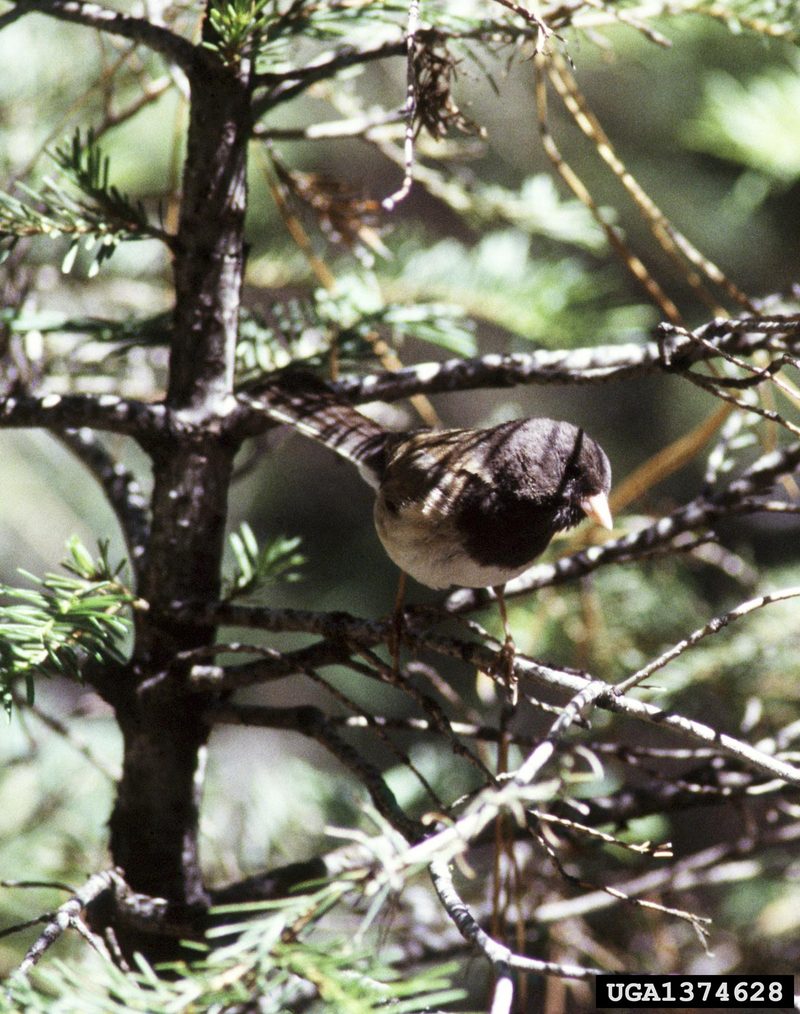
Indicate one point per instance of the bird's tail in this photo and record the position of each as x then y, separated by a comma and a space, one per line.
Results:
308, 405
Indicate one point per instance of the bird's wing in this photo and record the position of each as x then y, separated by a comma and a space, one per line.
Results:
429, 470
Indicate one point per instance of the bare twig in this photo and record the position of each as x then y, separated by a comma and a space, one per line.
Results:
55, 885
67, 915
121, 487
484, 658
541, 28
584, 700
285, 85
498, 954
698, 923
426, 703
573, 683
410, 107
156, 37
626, 18
673, 350
381, 730
613, 233
671, 240
150, 92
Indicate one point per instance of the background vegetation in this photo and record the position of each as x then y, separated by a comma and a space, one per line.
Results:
331, 761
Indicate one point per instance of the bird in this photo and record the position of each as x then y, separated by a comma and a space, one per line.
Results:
467, 507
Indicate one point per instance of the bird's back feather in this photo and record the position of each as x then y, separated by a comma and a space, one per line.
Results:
304, 402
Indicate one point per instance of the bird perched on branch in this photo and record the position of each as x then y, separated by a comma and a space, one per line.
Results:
466, 507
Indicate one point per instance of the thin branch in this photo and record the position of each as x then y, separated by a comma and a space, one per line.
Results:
324, 652
427, 704
672, 351
60, 412
541, 28
658, 850
51, 885
151, 91
120, 486
503, 995
161, 40
288, 84
437, 721
610, 13
717, 387
484, 733
19, 927
67, 916
573, 683
769, 507
381, 731
217, 679
410, 108
698, 923
339, 626
498, 954
584, 700
613, 233
757, 374
276, 665
672, 241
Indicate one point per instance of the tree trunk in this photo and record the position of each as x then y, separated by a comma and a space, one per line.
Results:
154, 823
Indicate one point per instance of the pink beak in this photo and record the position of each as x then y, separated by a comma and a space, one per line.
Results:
596, 507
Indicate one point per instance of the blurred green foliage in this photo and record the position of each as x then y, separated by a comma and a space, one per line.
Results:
554, 302
752, 121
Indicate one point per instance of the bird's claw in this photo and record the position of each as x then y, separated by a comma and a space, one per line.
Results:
506, 658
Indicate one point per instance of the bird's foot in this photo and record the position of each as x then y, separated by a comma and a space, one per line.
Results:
507, 656
508, 652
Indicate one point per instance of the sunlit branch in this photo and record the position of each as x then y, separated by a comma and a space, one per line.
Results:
59, 412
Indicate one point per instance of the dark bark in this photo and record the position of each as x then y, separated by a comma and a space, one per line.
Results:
154, 823
155, 818
209, 263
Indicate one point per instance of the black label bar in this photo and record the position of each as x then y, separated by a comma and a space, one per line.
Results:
726, 992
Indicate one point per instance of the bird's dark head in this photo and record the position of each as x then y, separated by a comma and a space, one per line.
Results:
558, 464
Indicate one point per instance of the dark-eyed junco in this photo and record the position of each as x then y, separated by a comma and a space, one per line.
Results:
467, 507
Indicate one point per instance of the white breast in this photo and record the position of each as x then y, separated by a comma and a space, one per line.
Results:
427, 546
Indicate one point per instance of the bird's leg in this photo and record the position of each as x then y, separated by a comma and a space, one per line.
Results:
509, 650
396, 629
